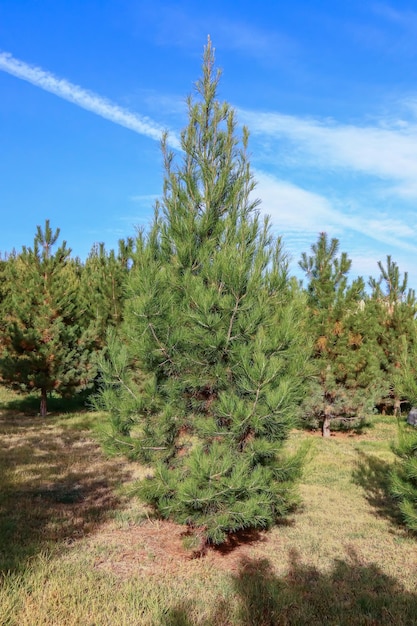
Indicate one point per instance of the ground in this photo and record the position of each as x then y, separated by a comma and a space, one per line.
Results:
76, 547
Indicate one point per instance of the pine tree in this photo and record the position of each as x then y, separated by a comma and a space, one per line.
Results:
103, 285
4, 290
4, 286
405, 376
394, 308
43, 345
206, 381
349, 381
404, 477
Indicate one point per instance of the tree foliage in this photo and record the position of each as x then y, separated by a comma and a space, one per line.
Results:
404, 477
349, 381
43, 345
206, 379
103, 286
394, 310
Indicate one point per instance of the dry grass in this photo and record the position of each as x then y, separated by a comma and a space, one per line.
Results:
75, 551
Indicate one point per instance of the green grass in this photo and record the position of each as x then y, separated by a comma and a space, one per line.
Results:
29, 403
74, 550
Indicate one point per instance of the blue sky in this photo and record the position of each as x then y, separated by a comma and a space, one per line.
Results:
327, 89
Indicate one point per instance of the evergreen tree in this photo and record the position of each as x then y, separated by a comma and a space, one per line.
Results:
404, 477
207, 379
349, 381
103, 285
404, 474
43, 345
394, 310
4, 287
4, 290
405, 376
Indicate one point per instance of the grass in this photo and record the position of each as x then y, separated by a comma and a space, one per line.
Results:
74, 550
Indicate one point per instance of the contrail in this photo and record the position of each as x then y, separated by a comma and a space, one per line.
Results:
85, 99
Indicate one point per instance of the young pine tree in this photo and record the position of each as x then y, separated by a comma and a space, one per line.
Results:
43, 345
4, 286
206, 381
349, 380
394, 309
404, 477
103, 286
404, 474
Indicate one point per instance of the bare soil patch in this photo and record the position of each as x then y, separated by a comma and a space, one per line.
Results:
159, 546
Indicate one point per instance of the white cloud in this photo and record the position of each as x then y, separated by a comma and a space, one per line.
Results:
387, 151
391, 227
300, 215
297, 212
292, 209
369, 173
83, 98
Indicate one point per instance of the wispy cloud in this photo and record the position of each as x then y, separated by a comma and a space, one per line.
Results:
293, 209
380, 163
356, 182
83, 98
296, 210
299, 215
386, 151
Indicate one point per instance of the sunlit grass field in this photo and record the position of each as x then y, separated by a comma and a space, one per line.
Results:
76, 550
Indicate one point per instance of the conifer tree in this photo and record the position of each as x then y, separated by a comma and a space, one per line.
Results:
4, 287
349, 381
103, 285
404, 474
205, 383
404, 477
394, 308
43, 344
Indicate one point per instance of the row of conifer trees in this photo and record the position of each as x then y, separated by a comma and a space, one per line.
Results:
205, 350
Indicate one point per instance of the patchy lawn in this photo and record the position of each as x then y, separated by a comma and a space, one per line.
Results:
75, 550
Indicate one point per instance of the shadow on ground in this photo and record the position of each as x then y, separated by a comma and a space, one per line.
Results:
55, 486
353, 593
373, 475
29, 404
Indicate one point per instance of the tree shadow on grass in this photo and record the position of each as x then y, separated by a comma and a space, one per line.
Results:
29, 403
373, 475
55, 486
353, 593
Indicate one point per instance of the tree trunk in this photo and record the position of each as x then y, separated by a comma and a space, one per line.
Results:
43, 408
325, 428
